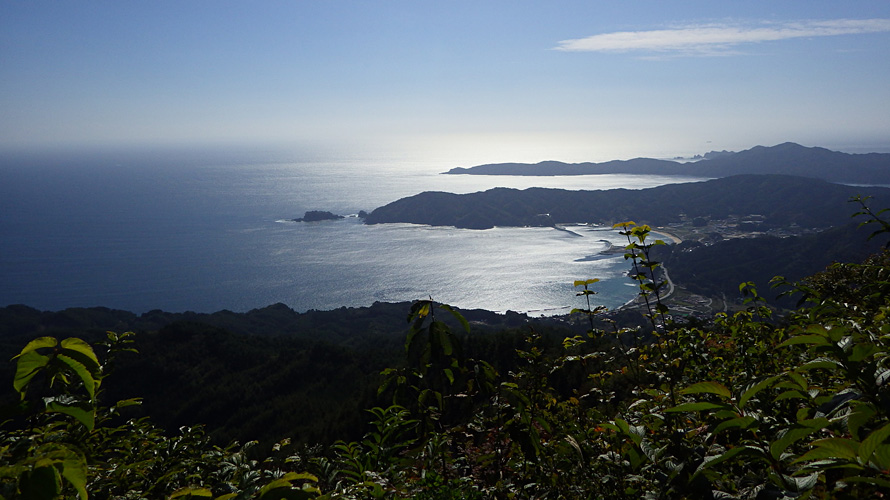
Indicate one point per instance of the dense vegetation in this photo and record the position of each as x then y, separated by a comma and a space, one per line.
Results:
747, 406
717, 268
320, 367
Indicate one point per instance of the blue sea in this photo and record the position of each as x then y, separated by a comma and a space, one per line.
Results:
184, 230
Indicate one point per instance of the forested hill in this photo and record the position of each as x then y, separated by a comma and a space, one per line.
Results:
260, 375
788, 158
781, 200
717, 268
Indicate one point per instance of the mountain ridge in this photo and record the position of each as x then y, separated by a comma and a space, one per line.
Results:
787, 158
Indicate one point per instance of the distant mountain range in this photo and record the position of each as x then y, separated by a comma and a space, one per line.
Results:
788, 159
782, 200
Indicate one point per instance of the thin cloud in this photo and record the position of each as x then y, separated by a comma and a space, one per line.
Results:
707, 39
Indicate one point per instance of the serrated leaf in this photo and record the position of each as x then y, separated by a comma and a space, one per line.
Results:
83, 412
805, 339
709, 388
740, 422
806, 483
89, 383
790, 394
79, 346
870, 443
825, 363
191, 491
883, 483
832, 448
74, 470
128, 402
790, 437
881, 457
727, 455
754, 389
799, 380
700, 406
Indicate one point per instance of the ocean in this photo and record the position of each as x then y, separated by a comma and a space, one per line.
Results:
192, 231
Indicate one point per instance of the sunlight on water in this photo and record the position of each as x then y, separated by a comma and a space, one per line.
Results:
141, 234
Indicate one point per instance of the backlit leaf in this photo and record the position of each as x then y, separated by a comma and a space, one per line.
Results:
709, 388
28, 365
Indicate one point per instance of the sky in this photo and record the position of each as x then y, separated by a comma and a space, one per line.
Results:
511, 80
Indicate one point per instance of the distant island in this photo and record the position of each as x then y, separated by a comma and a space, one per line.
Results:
318, 215
788, 159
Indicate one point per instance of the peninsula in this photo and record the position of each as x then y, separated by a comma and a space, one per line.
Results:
788, 159
778, 201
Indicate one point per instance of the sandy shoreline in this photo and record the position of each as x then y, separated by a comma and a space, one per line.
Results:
674, 238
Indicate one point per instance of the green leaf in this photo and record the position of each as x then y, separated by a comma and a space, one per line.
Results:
806, 483
882, 483
727, 455
128, 402
74, 470
701, 406
859, 416
881, 457
709, 388
805, 339
586, 282
41, 483
752, 391
740, 422
870, 443
89, 383
442, 336
824, 363
409, 339
419, 310
792, 436
191, 491
84, 412
460, 318
79, 346
38, 343
790, 394
303, 476
799, 380
832, 448
28, 365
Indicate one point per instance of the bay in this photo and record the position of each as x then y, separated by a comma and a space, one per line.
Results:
139, 230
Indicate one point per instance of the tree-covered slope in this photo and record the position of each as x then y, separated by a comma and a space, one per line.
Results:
782, 200
716, 269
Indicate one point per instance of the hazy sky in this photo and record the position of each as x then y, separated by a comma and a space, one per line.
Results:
564, 80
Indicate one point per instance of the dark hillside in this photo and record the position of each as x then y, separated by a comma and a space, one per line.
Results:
783, 200
786, 159
717, 269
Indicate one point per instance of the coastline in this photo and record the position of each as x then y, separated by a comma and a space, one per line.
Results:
675, 240
673, 237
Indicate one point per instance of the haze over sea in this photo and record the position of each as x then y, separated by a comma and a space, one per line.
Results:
190, 230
